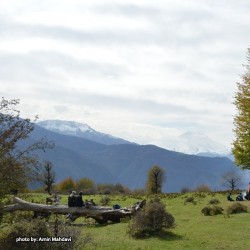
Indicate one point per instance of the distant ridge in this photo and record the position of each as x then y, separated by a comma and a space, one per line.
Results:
128, 163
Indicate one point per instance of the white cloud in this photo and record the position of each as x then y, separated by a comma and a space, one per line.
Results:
153, 67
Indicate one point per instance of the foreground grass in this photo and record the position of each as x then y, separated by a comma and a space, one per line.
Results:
193, 230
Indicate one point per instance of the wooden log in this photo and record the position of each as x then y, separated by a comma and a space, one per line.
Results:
99, 213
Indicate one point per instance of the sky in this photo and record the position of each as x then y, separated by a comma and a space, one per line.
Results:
141, 70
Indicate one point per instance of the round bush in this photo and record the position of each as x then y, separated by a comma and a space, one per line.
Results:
151, 220
236, 208
212, 210
214, 201
105, 200
190, 200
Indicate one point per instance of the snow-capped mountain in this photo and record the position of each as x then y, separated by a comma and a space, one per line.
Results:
197, 143
128, 164
190, 142
80, 130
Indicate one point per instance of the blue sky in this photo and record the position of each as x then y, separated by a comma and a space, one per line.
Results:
141, 70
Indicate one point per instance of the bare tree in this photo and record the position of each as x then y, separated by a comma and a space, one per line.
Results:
231, 180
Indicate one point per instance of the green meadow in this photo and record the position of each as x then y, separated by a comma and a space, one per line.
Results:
193, 230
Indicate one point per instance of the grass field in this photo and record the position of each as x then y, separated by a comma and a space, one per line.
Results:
193, 230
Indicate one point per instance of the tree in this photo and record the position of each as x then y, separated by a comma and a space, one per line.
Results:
84, 183
67, 184
241, 145
49, 176
231, 180
155, 181
19, 164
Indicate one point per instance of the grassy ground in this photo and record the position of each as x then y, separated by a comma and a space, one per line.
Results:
193, 230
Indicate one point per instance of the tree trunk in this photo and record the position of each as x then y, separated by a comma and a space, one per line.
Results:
99, 213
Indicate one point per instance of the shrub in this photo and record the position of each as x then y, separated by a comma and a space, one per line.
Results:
236, 208
190, 200
150, 220
210, 211
214, 201
104, 201
23, 229
37, 229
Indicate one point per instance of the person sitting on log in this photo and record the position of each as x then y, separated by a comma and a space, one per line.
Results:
78, 200
71, 203
72, 199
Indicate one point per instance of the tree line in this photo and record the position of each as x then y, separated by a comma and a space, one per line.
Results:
155, 181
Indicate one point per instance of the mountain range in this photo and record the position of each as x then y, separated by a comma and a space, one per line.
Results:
119, 161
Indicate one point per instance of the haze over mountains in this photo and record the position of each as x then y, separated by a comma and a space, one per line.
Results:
116, 160
189, 142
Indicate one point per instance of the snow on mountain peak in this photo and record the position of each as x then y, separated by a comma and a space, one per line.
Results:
80, 130
69, 127
196, 142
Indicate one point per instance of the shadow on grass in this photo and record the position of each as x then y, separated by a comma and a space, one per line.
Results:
163, 235
168, 236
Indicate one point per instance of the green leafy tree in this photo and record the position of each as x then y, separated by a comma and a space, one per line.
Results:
156, 179
67, 184
84, 183
18, 164
49, 176
241, 145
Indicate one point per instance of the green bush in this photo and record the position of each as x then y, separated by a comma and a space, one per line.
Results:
212, 210
152, 219
9, 236
214, 201
190, 200
36, 229
236, 208
104, 201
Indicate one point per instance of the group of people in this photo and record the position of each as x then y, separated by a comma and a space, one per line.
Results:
240, 196
75, 200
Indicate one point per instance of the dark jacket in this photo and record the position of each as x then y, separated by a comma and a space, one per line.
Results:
78, 201
72, 201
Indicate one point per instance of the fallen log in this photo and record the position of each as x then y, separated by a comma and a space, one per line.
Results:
99, 213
